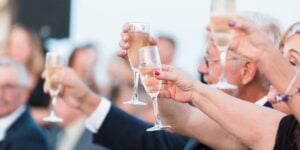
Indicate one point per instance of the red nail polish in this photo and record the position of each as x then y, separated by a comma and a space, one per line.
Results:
157, 73
231, 23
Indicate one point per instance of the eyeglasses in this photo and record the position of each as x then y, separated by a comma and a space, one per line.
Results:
213, 61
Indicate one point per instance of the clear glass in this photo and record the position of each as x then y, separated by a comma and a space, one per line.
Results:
149, 62
55, 63
221, 12
138, 37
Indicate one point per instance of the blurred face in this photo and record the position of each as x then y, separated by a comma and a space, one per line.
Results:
19, 45
211, 69
166, 51
11, 92
84, 63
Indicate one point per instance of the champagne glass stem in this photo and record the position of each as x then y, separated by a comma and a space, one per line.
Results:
223, 63
135, 86
155, 110
53, 104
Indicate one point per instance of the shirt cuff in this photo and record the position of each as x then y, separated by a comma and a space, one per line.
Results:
94, 121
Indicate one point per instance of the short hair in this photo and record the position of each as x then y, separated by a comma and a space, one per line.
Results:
268, 24
271, 27
169, 39
10, 62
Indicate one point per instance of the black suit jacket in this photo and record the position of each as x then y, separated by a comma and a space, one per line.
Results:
121, 131
24, 134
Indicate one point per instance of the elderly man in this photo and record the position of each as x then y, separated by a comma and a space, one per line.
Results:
17, 128
118, 130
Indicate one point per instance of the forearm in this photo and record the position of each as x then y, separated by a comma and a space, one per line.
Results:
190, 121
280, 73
244, 120
175, 114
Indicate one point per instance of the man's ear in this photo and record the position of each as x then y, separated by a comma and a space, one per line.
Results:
248, 72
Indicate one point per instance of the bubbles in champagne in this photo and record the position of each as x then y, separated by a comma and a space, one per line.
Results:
53, 87
151, 84
136, 40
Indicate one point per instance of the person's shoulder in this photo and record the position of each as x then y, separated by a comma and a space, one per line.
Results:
25, 131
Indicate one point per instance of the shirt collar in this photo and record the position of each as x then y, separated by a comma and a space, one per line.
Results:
7, 121
262, 101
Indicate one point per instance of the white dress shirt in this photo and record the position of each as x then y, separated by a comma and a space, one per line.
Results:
94, 122
262, 101
7, 121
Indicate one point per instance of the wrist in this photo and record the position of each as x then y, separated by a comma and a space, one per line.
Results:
195, 92
89, 103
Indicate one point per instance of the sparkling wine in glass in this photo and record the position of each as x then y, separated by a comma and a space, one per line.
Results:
55, 63
221, 12
149, 62
138, 37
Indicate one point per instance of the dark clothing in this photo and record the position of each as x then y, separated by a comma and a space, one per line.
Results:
288, 134
25, 134
121, 131
38, 98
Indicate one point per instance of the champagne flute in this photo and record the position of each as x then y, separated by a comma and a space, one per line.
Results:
138, 37
55, 64
149, 62
221, 12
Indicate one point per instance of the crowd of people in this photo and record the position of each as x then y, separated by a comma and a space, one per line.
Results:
261, 113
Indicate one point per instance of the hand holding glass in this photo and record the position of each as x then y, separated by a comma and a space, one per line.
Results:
138, 37
221, 12
149, 62
55, 64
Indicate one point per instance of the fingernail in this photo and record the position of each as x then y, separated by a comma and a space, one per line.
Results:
157, 73
231, 23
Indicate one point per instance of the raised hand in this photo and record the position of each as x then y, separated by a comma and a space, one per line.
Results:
124, 43
176, 84
248, 35
73, 91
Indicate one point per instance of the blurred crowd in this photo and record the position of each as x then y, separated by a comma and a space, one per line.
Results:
261, 113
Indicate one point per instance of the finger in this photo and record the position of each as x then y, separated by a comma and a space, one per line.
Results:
45, 86
123, 54
167, 67
164, 94
167, 75
239, 23
43, 75
152, 41
124, 37
208, 28
124, 45
125, 28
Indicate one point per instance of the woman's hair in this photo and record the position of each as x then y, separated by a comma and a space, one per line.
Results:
92, 82
294, 28
35, 64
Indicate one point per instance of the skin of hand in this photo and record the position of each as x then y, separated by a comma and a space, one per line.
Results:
176, 84
249, 36
73, 91
124, 42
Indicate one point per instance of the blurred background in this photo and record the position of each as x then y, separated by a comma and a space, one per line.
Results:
65, 24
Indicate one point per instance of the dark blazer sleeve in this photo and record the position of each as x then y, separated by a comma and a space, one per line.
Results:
121, 131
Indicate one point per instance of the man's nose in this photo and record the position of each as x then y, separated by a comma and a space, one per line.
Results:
203, 67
